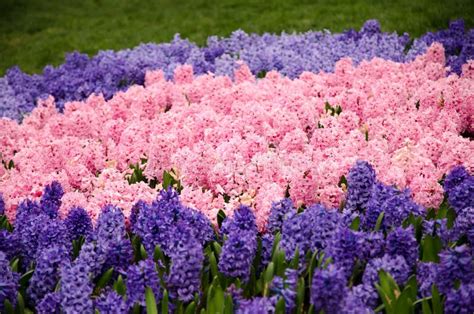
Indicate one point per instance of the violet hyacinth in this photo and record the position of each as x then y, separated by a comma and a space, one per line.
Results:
425, 275
455, 265
2, 205
47, 272
396, 266
360, 180
50, 304
344, 249
111, 303
8, 282
187, 259
51, 199
402, 242
460, 301
258, 305
76, 289
462, 196
328, 289
138, 277
456, 176
371, 245
9, 243
278, 213
286, 288
241, 244
78, 223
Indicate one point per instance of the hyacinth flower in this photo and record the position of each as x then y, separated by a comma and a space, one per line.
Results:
462, 195
278, 213
50, 304
286, 288
396, 266
51, 199
258, 305
78, 223
111, 303
2, 205
47, 272
460, 301
138, 278
360, 180
344, 249
402, 242
240, 246
187, 259
455, 265
456, 176
328, 289
9, 282
76, 289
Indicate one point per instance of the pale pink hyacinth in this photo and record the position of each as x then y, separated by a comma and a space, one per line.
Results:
249, 140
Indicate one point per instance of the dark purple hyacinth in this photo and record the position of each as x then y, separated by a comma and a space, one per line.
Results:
460, 301
2, 205
360, 180
328, 289
278, 213
257, 305
425, 275
76, 289
267, 240
455, 265
78, 223
47, 272
50, 304
396, 266
344, 249
241, 244
138, 277
366, 293
371, 245
291, 54
111, 303
8, 282
93, 257
187, 259
462, 195
9, 243
51, 199
353, 304
464, 224
455, 177
286, 288
402, 242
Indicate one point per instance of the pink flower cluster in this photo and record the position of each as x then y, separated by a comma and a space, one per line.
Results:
251, 140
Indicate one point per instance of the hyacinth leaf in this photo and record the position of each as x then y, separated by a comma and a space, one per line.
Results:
164, 301
411, 287
8, 307
191, 308
355, 224
143, 253
425, 307
417, 223
280, 306
14, 264
158, 255
217, 303
388, 291
25, 278
119, 286
213, 265
20, 304
279, 262
229, 304
151, 307
269, 272
296, 259
378, 224
77, 245
104, 279
436, 300
451, 217
220, 217
300, 292
217, 248
431, 246
312, 265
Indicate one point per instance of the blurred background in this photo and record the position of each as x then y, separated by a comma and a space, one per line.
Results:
34, 33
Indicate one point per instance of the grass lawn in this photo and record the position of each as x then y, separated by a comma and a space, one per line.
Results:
34, 33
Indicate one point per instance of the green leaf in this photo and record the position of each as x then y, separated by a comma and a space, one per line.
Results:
191, 308
26, 278
269, 272
425, 307
378, 224
14, 264
143, 253
8, 307
213, 265
355, 224
20, 304
217, 248
164, 302
436, 301
220, 217
104, 279
300, 291
167, 180
296, 259
280, 306
229, 305
430, 248
151, 307
119, 286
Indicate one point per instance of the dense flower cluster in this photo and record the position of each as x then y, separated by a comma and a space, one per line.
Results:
291, 54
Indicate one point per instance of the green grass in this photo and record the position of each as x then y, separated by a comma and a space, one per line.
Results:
34, 33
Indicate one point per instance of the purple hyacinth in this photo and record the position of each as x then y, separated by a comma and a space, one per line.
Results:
9, 243
187, 259
456, 176
425, 275
328, 289
278, 213
93, 257
258, 305
286, 288
455, 265
360, 180
462, 196
464, 224
51, 199
371, 245
111, 303
353, 304
267, 246
78, 223
344, 249
396, 266
402, 242
460, 301
2, 205
138, 278
54, 232
76, 289
135, 212
50, 304
241, 244
8, 282
47, 272
366, 294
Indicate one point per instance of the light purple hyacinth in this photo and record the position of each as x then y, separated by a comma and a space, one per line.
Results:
111, 71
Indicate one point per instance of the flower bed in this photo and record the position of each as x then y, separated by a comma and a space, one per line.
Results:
109, 72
